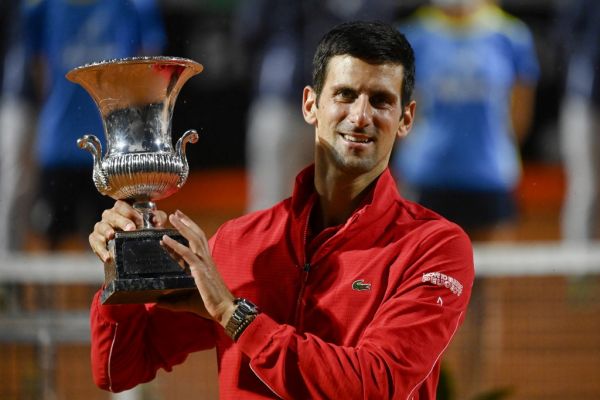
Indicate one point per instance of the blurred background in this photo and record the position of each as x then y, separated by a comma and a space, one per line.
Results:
532, 328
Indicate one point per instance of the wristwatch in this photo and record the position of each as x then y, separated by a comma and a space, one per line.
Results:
244, 313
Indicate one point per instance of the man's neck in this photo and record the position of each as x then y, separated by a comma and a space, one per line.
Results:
339, 195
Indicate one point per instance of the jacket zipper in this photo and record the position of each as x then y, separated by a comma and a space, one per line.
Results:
305, 272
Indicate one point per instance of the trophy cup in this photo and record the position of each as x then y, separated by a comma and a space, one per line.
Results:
136, 97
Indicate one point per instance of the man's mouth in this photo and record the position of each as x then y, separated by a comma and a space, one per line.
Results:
357, 138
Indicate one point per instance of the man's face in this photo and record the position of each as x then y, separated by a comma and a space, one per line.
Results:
358, 115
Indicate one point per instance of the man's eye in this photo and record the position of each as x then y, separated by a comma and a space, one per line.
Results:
379, 101
345, 94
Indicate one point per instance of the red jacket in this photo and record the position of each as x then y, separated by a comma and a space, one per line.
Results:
367, 315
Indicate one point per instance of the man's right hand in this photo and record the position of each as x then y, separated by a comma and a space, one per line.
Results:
121, 217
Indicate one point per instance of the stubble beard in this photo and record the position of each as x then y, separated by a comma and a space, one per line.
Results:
350, 162
353, 161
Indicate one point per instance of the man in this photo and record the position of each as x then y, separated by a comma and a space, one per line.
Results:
357, 291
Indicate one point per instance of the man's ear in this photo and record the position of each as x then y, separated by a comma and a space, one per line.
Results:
309, 105
408, 116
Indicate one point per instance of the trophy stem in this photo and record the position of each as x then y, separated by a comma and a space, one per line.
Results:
147, 209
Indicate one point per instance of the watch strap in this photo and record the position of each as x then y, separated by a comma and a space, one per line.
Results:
244, 313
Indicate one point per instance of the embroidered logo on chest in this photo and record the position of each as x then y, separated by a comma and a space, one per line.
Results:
360, 285
439, 279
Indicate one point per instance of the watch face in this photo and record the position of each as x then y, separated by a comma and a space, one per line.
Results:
246, 307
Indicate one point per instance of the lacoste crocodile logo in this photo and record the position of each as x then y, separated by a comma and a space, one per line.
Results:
360, 285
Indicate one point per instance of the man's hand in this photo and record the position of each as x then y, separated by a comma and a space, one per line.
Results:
121, 217
192, 303
217, 298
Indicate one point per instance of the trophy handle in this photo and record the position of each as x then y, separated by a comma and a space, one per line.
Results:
190, 136
93, 145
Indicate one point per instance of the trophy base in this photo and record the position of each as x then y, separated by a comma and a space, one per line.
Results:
142, 271
147, 290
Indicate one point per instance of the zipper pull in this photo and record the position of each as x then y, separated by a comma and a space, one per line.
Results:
306, 270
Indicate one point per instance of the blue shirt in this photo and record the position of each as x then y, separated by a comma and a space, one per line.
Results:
72, 33
462, 136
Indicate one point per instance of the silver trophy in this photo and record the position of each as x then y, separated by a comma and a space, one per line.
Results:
136, 97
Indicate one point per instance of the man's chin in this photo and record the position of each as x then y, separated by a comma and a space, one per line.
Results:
356, 166
352, 164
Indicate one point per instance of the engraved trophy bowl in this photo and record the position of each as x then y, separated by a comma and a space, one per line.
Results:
136, 97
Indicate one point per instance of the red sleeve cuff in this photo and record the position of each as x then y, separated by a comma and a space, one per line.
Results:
116, 312
258, 335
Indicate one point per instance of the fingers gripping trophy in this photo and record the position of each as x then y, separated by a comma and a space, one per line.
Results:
136, 97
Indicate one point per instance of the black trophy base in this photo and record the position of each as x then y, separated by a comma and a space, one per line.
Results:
142, 271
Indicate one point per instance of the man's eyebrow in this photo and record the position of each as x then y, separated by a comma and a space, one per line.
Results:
387, 94
343, 86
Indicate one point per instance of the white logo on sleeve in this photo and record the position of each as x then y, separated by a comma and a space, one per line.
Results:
439, 279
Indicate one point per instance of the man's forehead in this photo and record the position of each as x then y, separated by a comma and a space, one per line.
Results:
344, 69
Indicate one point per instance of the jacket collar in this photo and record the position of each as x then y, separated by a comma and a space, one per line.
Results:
380, 200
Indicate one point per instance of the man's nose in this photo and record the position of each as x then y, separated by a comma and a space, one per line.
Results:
360, 111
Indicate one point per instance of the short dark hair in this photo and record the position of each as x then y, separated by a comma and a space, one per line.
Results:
373, 42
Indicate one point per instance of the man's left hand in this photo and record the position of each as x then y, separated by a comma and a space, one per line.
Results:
217, 299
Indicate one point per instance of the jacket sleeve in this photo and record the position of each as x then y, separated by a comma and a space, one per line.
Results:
399, 349
131, 342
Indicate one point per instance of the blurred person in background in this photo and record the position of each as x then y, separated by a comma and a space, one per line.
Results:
17, 128
579, 38
280, 36
278, 141
61, 35
476, 74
